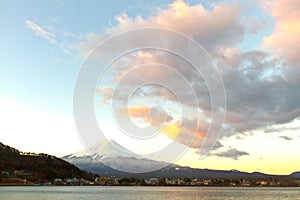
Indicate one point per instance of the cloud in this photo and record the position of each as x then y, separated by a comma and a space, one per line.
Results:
262, 88
231, 153
66, 41
285, 37
106, 94
278, 129
212, 147
39, 31
286, 138
155, 116
188, 132
259, 93
220, 26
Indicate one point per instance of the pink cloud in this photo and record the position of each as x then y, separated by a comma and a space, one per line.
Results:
285, 38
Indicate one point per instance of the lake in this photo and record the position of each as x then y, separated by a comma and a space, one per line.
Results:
149, 193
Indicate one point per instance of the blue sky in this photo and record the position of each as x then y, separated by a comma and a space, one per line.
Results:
39, 73
44, 43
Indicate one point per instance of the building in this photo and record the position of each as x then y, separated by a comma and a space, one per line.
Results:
152, 181
112, 181
262, 183
171, 181
245, 183
58, 180
5, 173
206, 182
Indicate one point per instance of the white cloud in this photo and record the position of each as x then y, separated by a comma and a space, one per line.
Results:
39, 31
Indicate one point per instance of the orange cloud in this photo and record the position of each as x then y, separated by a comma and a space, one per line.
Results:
187, 135
141, 112
187, 132
153, 115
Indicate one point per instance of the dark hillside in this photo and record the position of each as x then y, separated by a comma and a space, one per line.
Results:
37, 167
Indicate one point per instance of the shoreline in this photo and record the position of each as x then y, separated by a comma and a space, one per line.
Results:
216, 186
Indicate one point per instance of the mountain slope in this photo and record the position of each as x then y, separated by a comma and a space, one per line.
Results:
104, 149
38, 167
103, 159
115, 156
172, 171
295, 175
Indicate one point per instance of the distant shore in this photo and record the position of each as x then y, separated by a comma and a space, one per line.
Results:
43, 185
18, 184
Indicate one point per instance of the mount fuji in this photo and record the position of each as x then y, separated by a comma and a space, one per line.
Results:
109, 156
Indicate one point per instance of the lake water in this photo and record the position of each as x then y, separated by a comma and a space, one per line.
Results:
149, 193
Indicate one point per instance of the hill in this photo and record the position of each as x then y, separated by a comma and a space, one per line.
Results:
36, 167
295, 175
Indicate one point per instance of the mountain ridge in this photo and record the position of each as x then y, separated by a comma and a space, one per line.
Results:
113, 155
119, 166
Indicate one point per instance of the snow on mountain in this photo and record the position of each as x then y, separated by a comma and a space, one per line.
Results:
115, 156
104, 149
108, 158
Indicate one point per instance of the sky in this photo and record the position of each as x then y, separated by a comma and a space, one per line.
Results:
220, 80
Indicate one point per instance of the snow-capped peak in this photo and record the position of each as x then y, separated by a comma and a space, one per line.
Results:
113, 155
105, 149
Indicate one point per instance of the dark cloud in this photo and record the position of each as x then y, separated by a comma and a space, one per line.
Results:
259, 91
280, 129
231, 153
214, 147
286, 138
